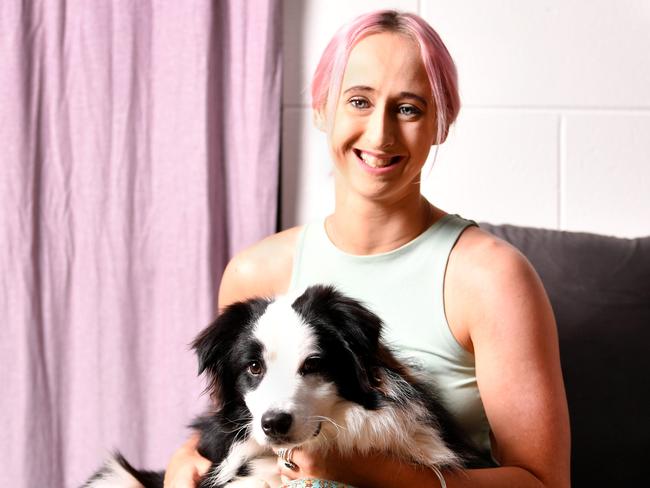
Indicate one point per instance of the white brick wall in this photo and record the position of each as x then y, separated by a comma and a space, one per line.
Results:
555, 126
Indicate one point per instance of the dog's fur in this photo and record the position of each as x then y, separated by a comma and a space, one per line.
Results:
308, 371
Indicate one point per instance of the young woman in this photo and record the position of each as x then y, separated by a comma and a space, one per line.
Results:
469, 307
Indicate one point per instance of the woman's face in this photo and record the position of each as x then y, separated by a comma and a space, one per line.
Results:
384, 124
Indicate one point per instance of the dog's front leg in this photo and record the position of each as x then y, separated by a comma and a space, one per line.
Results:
240, 464
263, 472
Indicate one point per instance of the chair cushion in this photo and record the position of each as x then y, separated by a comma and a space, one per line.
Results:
599, 287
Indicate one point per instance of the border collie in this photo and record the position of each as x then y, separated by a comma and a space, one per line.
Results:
309, 371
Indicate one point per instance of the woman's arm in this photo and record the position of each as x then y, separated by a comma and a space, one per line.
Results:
514, 339
380, 470
497, 308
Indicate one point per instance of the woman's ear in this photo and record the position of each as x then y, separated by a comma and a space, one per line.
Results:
318, 116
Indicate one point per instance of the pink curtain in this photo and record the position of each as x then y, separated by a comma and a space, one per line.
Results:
139, 145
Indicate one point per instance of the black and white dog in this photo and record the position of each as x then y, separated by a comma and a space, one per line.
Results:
309, 371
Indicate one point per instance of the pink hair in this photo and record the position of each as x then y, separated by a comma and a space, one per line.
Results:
440, 68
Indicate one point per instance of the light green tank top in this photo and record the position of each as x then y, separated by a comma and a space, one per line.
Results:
404, 287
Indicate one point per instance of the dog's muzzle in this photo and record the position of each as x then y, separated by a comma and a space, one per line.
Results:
276, 424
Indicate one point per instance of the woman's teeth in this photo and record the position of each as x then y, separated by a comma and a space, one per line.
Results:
373, 161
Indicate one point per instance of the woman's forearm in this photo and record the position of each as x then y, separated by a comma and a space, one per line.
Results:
393, 473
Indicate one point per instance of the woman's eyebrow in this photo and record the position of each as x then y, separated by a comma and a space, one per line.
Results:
404, 94
363, 88
420, 99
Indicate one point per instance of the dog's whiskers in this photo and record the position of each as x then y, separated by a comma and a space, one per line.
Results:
245, 418
240, 429
329, 420
237, 430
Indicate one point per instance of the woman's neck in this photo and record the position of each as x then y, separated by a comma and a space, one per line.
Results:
362, 227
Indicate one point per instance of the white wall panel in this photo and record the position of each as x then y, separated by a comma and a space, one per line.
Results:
307, 178
607, 173
500, 167
587, 53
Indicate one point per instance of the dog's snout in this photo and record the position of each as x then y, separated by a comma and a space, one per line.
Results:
275, 423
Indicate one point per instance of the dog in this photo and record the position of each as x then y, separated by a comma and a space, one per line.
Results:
307, 370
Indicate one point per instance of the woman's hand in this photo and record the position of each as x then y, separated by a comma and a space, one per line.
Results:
352, 468
186, 466
360, 470
326, 466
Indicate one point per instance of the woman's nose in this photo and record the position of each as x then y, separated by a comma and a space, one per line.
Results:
380, 131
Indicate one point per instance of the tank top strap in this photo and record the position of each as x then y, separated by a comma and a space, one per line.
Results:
449, 230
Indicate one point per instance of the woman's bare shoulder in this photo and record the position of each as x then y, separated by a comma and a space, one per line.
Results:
263, 269
479, 255
485, 277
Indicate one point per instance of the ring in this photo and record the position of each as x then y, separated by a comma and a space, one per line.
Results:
291, 465
285, 455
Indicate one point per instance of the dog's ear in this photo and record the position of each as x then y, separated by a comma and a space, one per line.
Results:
214, 344
359, 325
356, 327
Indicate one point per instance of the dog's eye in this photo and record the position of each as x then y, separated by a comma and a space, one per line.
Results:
311, 365
255, 368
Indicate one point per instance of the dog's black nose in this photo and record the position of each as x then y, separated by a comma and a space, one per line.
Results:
276, 423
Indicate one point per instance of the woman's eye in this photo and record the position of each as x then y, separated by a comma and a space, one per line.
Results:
409, 110
311, 365
359, 103
255, 368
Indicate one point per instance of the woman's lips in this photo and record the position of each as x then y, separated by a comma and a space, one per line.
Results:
377, 163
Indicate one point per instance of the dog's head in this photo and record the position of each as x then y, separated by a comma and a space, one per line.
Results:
291, 360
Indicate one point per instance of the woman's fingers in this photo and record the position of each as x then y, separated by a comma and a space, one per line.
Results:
289, 469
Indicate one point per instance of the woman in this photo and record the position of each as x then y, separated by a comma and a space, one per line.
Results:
465, 304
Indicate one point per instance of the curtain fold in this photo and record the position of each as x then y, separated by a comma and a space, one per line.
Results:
139, 149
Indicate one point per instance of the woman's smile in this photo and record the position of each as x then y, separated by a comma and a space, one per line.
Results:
377, 163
